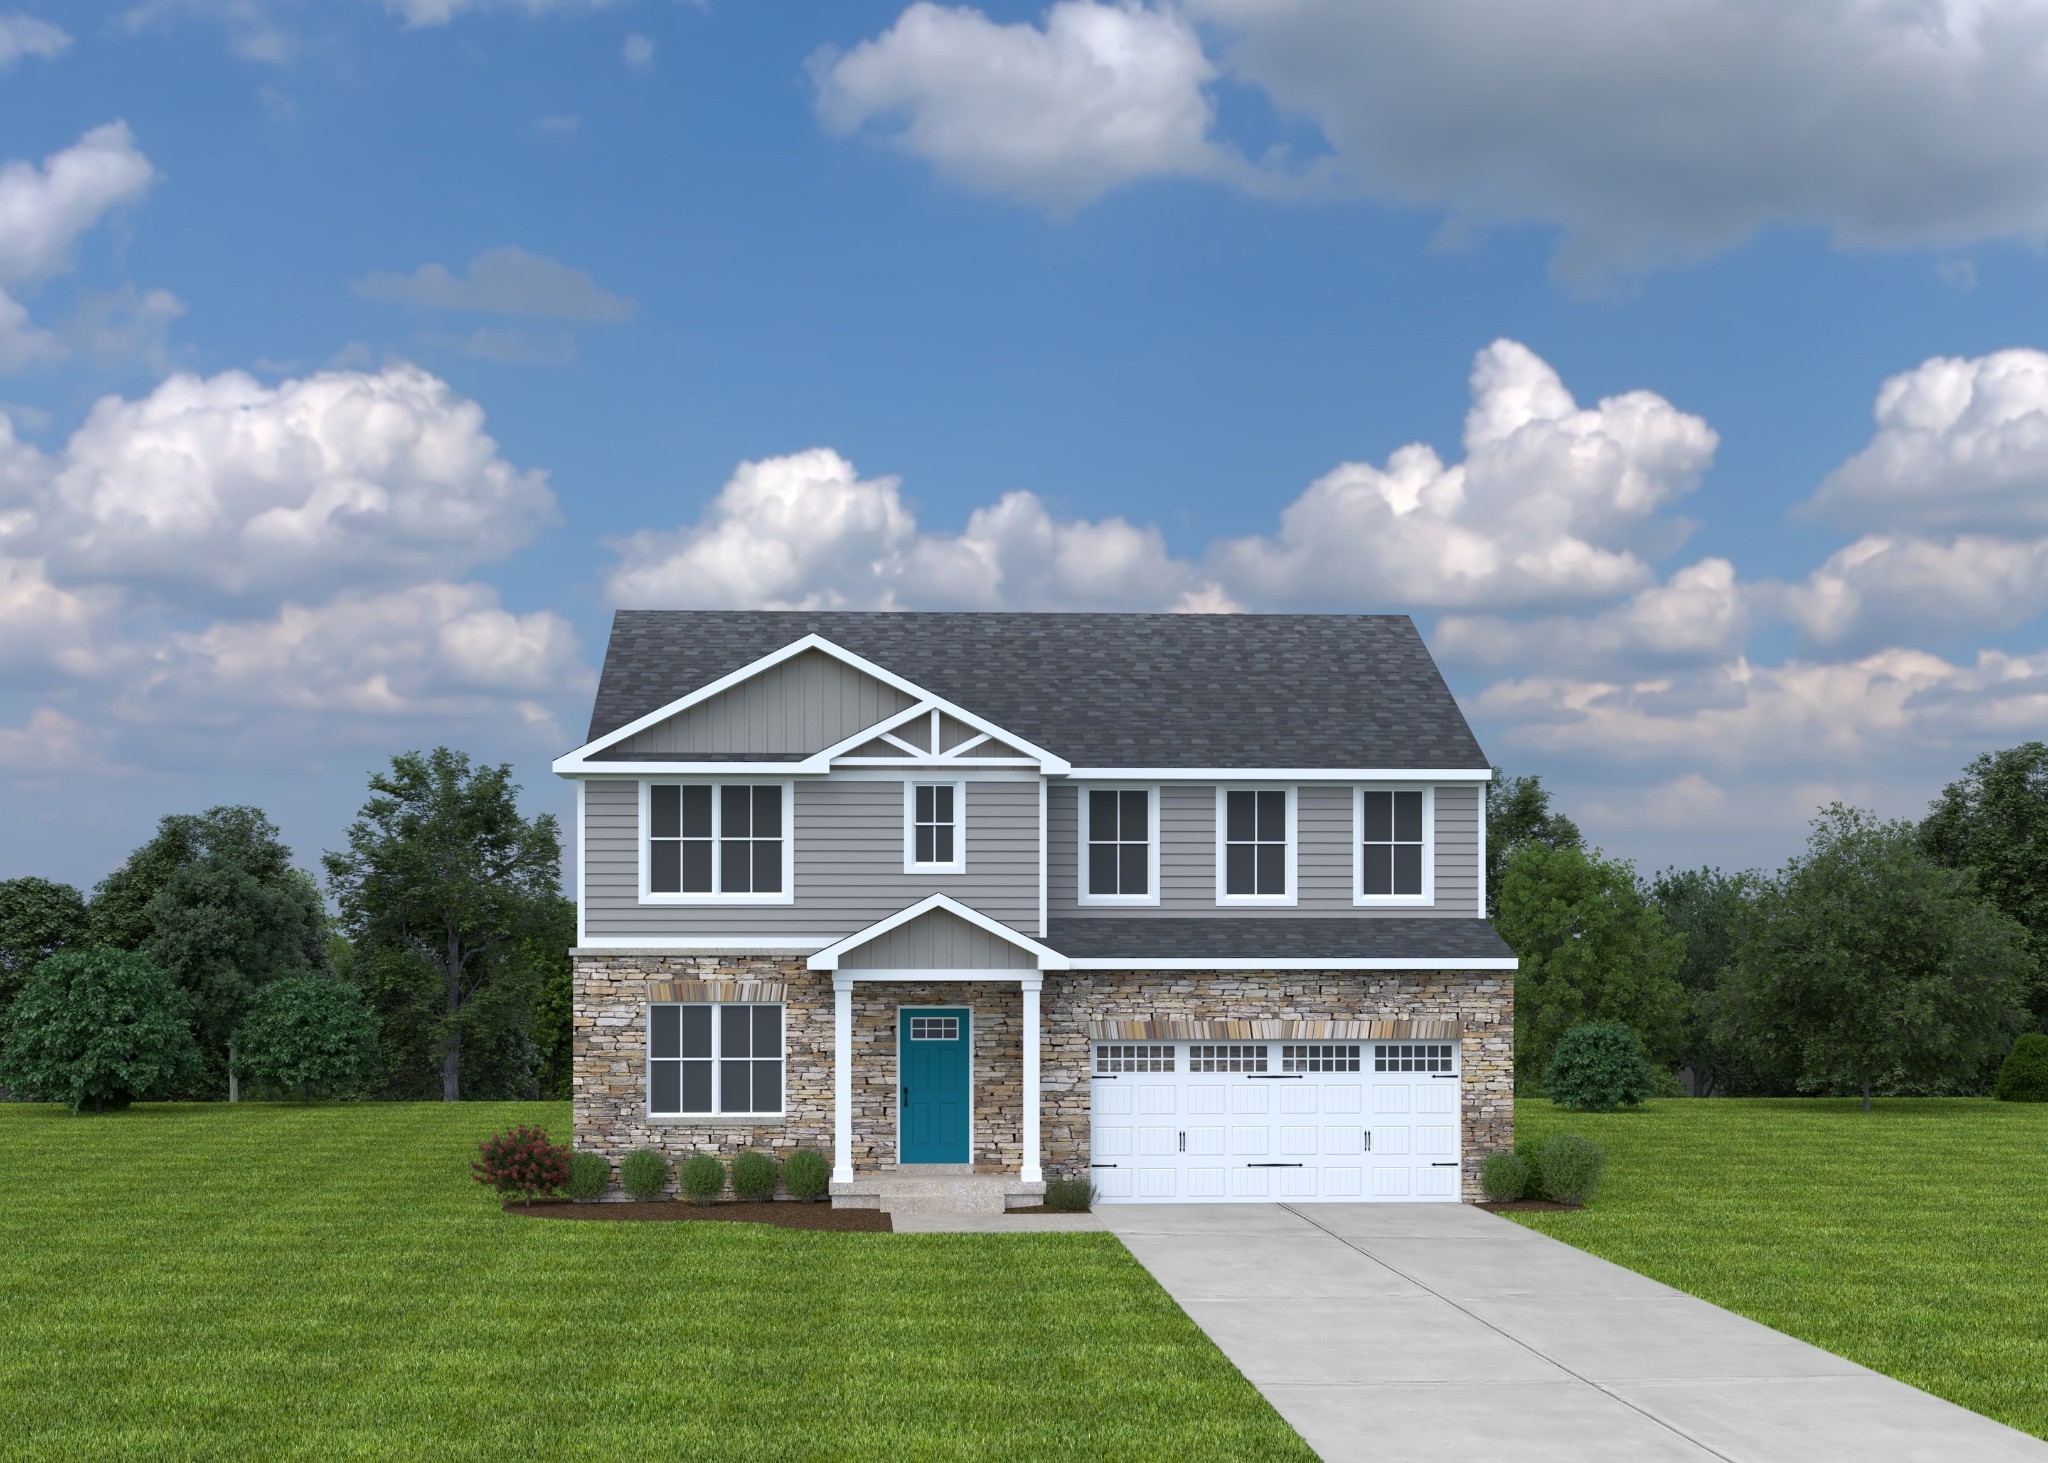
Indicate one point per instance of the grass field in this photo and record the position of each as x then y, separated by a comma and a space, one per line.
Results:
1913, 1239
328, 1282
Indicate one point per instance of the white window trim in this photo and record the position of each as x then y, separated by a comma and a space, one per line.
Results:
647, 1068
1081, 893
788, 891
1293, 894
1410, 901
958, 865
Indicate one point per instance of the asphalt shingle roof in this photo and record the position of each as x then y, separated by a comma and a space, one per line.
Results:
1270, 937
1101, 690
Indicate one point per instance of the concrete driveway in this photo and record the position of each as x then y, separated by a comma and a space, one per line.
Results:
1433, 1331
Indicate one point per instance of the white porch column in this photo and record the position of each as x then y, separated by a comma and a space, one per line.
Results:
1034, 1170
842, 1078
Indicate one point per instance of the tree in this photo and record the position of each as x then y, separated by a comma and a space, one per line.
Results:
1710, 909
37, 919
309, 1033
441, 866
1592, 948
103, 1026
1518, 813
546, 952
1869, 966
1994, 820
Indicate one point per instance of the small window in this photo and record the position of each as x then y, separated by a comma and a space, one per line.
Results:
714, 1058
1118, 846
1255, 839
1127, 1058
1393, 851
715, 840
1427, 1057
934, 838
935, 1028
1226, 1059
1319, 1058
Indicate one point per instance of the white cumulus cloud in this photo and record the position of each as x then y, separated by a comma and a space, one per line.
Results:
1055, 115
24, 35
1553, 503
226, 485
44, 210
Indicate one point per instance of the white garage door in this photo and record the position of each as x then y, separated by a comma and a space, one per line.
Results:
1248, 1122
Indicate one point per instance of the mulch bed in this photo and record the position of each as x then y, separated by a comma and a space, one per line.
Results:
785, 1215
1529, 1206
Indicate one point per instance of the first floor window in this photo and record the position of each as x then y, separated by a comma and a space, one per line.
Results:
1119, 842
1255, 843
1391, 841
705, 839
714, 1058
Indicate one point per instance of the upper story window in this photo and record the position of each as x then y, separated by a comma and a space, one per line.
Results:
704, 1059
1395, 845
1119, 845
935, 827
717, 842
1255, 845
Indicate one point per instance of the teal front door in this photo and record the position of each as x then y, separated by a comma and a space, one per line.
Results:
932, 1072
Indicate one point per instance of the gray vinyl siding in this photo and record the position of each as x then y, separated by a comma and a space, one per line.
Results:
1187, 856
849, 865
939, 940
807, 703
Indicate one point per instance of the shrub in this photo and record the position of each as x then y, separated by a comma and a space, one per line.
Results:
521, 1162
2024, 1075
103, 1026
1571, 1169
806, 1175
1599, 1066
1504, 1176
644, 1174
309, 1034
590, 1174
703, 1178
1073, 1196
753, 1177
1531, 1153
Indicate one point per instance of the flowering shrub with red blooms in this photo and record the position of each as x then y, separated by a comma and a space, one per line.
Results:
522, 1162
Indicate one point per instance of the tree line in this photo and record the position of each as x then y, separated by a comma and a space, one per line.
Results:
1887, 957
442, 918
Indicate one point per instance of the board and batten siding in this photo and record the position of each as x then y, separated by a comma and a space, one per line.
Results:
849, 864
939, 940
1187, 856
804, 704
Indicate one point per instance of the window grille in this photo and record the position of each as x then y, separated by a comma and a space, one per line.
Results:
706, 1058
934, 831
1255, 843
1123, 1058
1429, 1057
698, 843
1119, 842
1226, 1059
1390, 855
1319, 1059
935, 1028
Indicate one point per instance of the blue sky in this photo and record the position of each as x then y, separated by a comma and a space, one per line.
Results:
361, 357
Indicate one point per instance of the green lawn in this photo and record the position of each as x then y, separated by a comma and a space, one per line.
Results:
270, 1281
1913, 1239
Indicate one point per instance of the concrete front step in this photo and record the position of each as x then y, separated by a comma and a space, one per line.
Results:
956, 1191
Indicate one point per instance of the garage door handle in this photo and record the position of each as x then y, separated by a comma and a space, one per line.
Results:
1102, 1165
1443, 1076
1275, 1076
1272, 1165
1452, 1164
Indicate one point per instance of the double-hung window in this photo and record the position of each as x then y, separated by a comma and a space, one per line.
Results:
935, 828
705, 1059
717, 841
1395, 845
1255, 849
1119, 845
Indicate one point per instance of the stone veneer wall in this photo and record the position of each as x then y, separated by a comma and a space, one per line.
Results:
609, 1096
1482, 1000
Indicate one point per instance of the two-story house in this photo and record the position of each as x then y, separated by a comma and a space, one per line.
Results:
1191, 905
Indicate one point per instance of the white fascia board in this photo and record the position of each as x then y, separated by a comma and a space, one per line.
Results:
1283, 774
1032, 979
1048, 958
701, 945
578, 761
1254, 963
742, 771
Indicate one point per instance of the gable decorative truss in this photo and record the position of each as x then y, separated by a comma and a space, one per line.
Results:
1044, 956
951, 735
